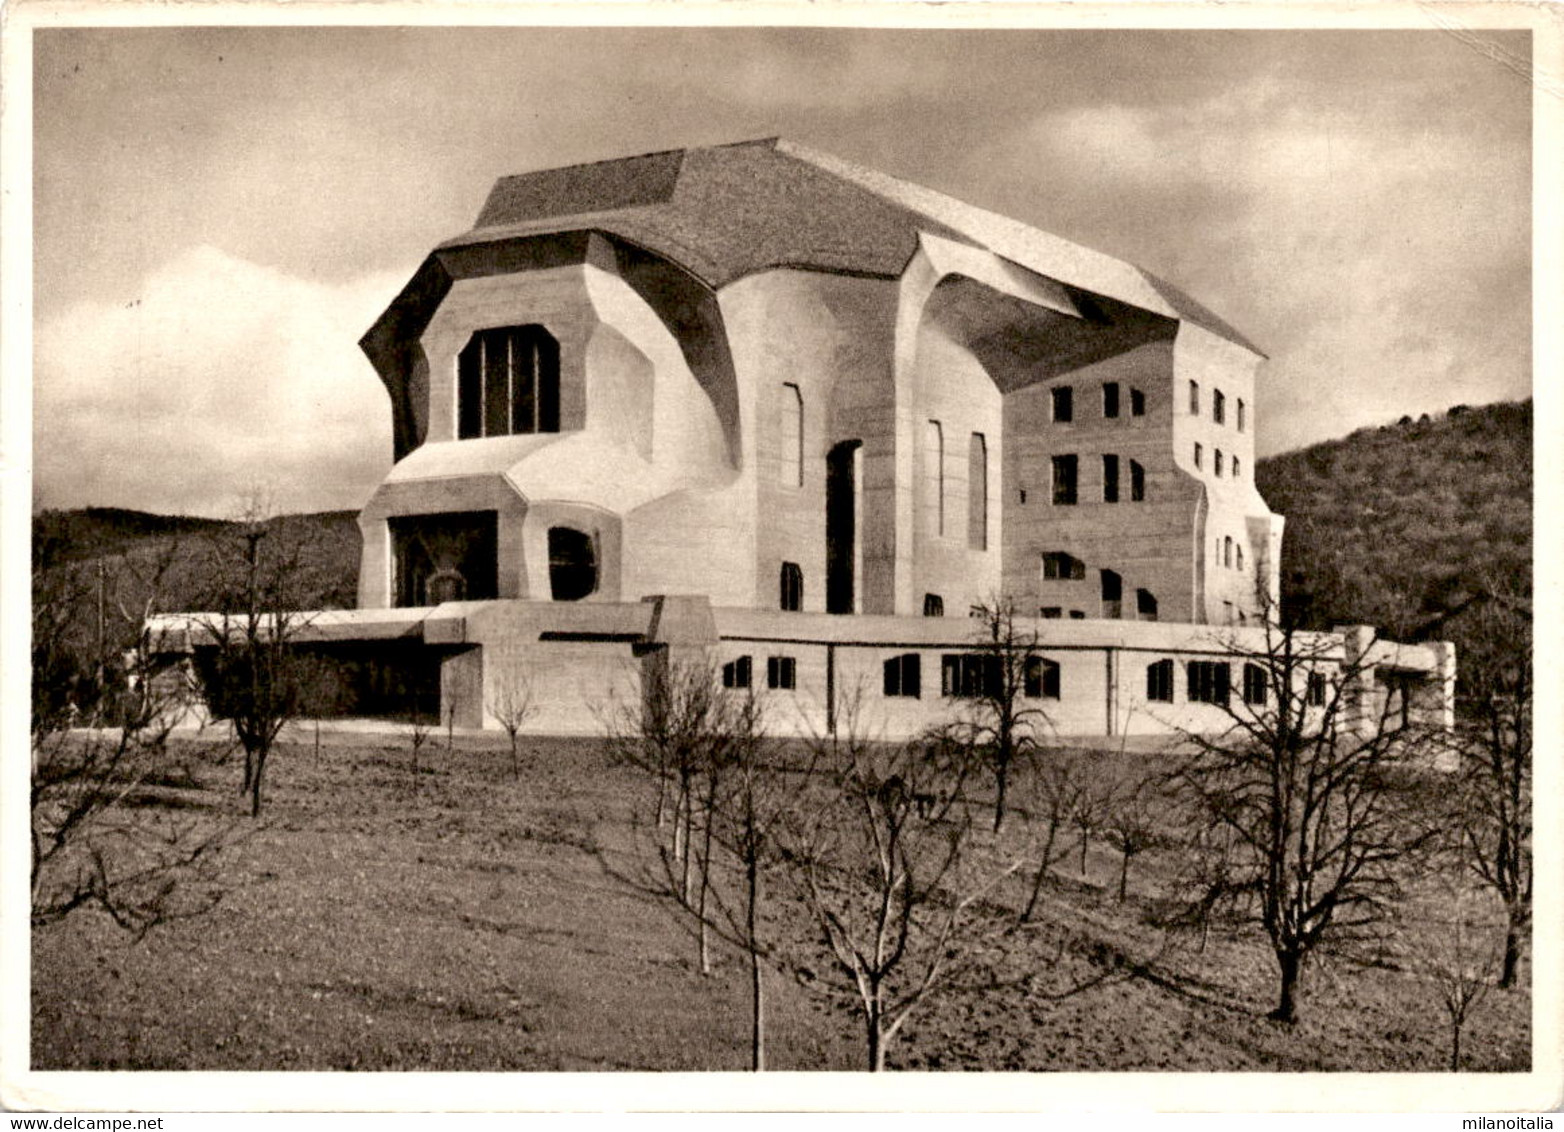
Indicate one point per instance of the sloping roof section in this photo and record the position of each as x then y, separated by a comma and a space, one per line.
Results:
724, 212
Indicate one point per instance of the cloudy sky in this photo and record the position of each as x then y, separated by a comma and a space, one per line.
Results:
221, 213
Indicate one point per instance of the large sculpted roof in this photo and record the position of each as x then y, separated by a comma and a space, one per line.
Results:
723, 212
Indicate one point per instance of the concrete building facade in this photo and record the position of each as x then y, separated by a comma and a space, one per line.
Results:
835, 410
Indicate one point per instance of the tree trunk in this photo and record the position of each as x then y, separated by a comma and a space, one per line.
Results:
704, 929
1287, 1008
999, 796
876, 1039
255, 788
1042, 873
1124, 876
1084, 840
1455, 1047
757, 1042
1512, 952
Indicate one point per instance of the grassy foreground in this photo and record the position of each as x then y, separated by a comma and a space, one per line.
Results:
460, 920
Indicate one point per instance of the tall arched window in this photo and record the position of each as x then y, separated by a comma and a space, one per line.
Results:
791, 437
1227, 551
977, 493
934, 473
507, 383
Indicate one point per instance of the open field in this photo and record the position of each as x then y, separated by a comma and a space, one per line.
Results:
460, 920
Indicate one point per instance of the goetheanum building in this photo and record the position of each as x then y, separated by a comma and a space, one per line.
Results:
758, 405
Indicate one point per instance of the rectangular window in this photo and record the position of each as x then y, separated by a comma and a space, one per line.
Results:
1110, 479
1137, 483
1064, 404
904, 675
1112, 595
1235, 467
1216, 462
1240, 414
934, 474
1208, 681
736, 673
780, 673
1194, 398
977, 493
791, 437
1200, 454
1040, 678
933, 605
1110, 399
1315, 695
1064, 480
1060, 566
1051, 612
1146, 605
1077, 615
1159, 681
1137, 403
970, 675
1218, 406
791, 595
1254, 685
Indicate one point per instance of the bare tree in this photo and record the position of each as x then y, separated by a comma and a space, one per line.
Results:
1055, 791
103, 706
1005, 688
513, 706
885, 862
1133, 822
1090, 812
1494, 746
251, 670
1459, 957
1307, 781
418, 737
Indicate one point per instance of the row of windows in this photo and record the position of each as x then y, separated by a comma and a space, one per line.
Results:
1061, 567
1066, 471
1218, 463
973, 675
1229, 553
1208, 682
977, 485
1218, 406
1064, 402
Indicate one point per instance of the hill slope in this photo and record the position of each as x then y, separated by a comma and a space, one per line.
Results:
1398, 526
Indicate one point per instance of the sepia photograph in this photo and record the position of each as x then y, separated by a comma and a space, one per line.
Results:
832, 541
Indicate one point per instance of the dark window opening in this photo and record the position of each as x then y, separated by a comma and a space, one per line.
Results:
1218, 406
1315, 694
736, 673
1146, 605
1137, 403
1110, 479
1064, 479
1077, 615
1112, 595
1235, 467
1194, 397
572, 564
1110, 398
792, 588
1216, 462
1208, 681
1240, 414
841, 527
781, 673
1041, 678
1254, 684
1137, 483
904, 675
452, 557
1063, 567
1064, 404
970, 675
508, 383
977, 493
1159, 681
1199, 456
933, 605
1051, 612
